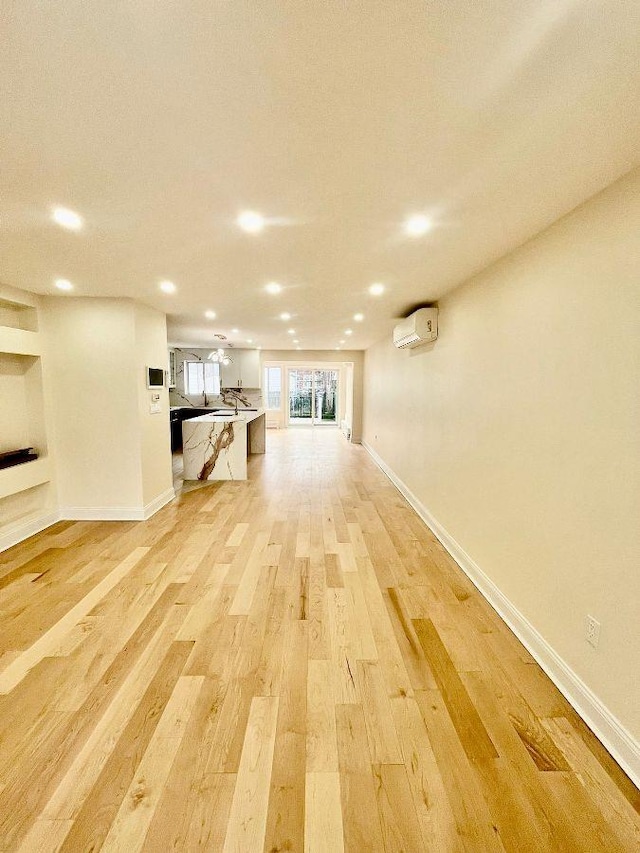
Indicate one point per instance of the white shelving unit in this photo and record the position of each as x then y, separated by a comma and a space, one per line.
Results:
21, 397
19, 341
25, 476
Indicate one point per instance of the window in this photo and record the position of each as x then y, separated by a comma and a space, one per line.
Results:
201, 377
273, 386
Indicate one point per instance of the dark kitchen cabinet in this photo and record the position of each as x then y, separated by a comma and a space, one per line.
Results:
176, 417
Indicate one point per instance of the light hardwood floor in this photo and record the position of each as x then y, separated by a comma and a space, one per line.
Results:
290, 663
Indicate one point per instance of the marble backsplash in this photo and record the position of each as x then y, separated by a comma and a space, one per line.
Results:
245, 397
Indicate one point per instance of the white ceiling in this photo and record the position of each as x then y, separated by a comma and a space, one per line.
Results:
160, 122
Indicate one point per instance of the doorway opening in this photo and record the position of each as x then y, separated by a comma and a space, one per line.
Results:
313, 396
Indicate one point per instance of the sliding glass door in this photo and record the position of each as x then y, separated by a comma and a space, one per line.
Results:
325, 396
313, 396
300, 396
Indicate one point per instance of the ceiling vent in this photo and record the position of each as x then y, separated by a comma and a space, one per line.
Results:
419, 328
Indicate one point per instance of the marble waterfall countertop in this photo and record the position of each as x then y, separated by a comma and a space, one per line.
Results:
245, 415
214, 409
215, 446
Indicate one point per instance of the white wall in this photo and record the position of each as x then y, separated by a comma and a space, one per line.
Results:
519, 431
112, 455
93, 398
155, 436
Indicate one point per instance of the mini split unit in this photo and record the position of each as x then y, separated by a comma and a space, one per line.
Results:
421, 327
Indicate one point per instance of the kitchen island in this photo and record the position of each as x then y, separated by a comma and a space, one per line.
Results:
216, 446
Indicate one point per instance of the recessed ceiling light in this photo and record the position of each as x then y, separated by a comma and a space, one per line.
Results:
296, 341
376, 289
63, 284
273, 287
235, 331
285, 315
417, 225
291, 331
348, 331
337, 347
210, 315
249, 340
167, 287
297, 347
342, 341
67, 218
358, 318
251, 222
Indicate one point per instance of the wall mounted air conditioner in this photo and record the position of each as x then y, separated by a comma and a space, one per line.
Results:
419, 328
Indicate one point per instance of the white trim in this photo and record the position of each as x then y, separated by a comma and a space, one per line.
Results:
19, 532
607, 728
157, 503
102, 513
117, 513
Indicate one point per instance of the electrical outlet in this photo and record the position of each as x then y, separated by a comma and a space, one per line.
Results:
593, 631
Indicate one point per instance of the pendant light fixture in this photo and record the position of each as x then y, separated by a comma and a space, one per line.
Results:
219, 356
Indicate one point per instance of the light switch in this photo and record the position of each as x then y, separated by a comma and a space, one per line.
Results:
155, 409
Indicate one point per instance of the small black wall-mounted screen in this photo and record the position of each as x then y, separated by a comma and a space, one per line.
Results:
155, 377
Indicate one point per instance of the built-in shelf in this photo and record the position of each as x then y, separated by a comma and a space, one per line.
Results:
18, 309
19, 341
25, 476
21, 397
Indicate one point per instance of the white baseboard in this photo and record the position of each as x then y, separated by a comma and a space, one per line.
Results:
102, 513
607, 728
157, 503
23, 530
118, 513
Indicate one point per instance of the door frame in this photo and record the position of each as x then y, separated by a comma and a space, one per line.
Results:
314, 420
